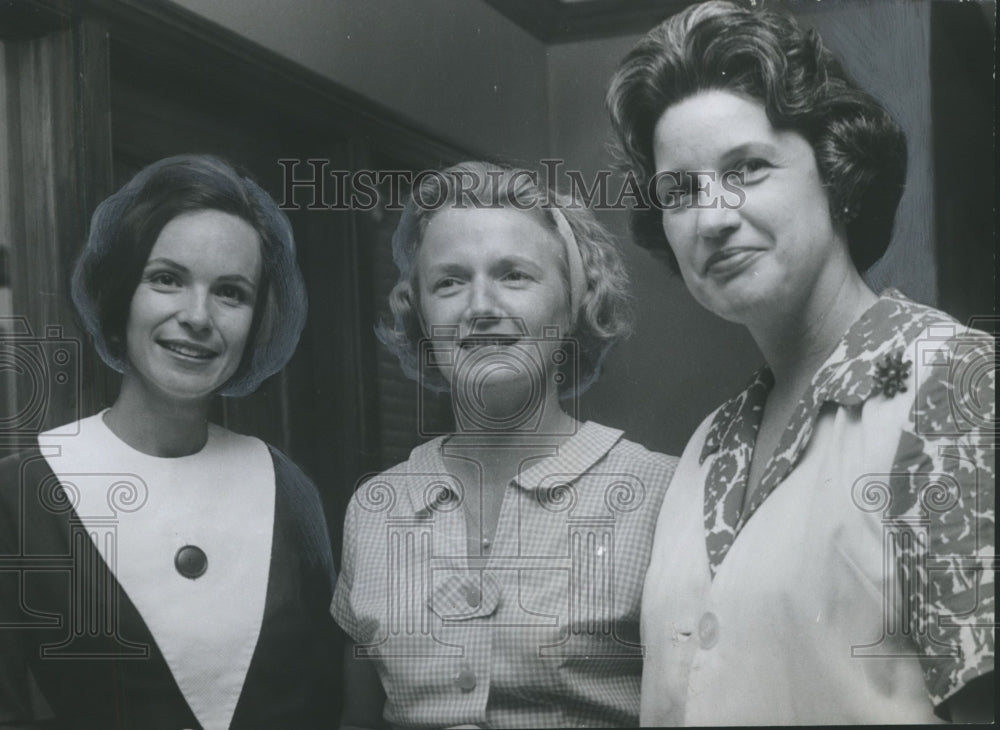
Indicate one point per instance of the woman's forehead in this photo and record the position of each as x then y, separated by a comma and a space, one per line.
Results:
699, 128
210, 242
460, 232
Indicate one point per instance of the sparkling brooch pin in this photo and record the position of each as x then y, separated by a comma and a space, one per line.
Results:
891, 374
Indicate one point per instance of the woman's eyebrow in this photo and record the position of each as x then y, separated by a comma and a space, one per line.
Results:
164, 261
515, 258
448, 267
758, 148
226, 278
727, 157
181, 268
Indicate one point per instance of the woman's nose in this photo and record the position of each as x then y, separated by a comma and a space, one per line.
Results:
483, 305
717, 221
195, 310
483, 298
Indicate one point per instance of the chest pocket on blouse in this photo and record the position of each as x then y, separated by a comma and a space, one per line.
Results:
460, 595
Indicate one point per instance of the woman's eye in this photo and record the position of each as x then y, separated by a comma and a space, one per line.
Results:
516, 276
234, 294
753, 169
672, 193
163, 279
449, 282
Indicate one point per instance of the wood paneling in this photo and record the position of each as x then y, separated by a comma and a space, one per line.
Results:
55, 143
130, 82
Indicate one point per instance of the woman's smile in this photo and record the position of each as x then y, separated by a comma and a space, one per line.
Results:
731, 260
191, 315
189, 350
486, 340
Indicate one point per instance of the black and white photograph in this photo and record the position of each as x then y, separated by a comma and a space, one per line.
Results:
497, 363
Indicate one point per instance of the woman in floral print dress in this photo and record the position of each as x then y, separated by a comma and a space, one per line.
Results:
825, 552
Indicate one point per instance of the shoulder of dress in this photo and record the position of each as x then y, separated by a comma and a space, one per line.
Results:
422, 460
285, 466
634, 450
404, 488
954, 387
946, 354
927, 322
652, 467
247, 450
220, 435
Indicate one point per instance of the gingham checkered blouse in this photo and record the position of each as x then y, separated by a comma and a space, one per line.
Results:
547, 633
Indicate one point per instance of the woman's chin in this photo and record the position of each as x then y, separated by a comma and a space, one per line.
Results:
178, 390
739, 303
500, 400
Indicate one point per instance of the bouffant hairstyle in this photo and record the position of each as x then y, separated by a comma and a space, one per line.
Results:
604, 312
766, 56
125, 227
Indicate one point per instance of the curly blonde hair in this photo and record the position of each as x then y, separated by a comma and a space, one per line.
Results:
605, 311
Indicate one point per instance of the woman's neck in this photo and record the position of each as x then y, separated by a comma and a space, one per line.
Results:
500, 452
158, 426
546, 419
797, 342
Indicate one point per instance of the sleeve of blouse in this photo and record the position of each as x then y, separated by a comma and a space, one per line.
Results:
943, 481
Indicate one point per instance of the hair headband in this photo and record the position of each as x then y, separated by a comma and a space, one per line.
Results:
577, 276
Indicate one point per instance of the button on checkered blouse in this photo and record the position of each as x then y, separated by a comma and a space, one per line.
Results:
547, 633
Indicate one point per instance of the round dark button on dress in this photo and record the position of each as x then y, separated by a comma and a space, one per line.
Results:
465, 680
191, 561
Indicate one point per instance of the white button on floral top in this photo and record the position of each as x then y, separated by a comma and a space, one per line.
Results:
856, 586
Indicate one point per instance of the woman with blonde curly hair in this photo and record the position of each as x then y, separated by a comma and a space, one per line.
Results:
494, 577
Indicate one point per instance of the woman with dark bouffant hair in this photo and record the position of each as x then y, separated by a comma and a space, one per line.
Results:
824, 555
193, 573
493, 579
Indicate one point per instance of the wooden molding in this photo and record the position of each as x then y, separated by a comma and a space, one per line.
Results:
563, 21
157, 33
